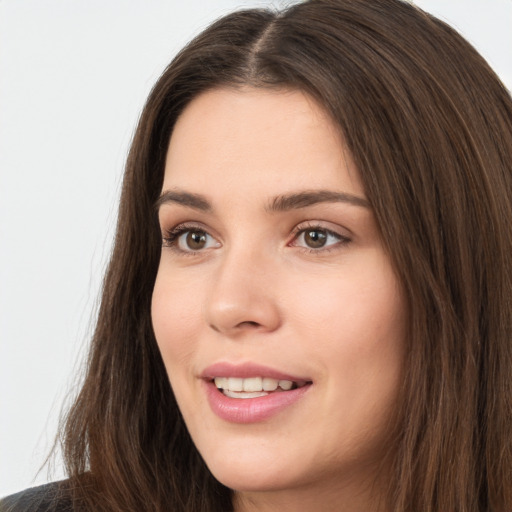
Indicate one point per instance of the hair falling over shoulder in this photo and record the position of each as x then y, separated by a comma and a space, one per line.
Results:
429, 126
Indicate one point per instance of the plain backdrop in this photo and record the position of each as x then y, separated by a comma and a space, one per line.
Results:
74, 75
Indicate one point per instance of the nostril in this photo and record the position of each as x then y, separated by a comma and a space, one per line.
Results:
249, 323
241, 326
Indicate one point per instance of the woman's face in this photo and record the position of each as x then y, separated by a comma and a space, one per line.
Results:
273, 276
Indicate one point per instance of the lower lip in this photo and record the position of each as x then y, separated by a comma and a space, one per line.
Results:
251, 410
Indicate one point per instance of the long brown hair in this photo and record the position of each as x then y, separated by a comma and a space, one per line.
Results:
429, 126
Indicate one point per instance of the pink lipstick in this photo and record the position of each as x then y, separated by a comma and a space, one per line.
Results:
251, 393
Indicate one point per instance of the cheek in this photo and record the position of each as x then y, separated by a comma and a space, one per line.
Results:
355, 325
357, 307
174, 314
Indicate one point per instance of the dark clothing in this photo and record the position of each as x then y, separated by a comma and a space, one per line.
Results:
52, 497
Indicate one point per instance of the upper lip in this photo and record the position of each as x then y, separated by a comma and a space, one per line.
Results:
247, 370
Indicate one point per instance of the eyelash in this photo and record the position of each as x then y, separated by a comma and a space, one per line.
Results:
172, 236
343, 240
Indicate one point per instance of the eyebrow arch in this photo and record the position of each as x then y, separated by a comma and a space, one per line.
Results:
312, 197
196, 201
280, 203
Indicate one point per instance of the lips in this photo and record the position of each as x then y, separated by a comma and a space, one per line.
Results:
247, 370
236, 387
251, 393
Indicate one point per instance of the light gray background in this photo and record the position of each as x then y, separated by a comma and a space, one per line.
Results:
73, 77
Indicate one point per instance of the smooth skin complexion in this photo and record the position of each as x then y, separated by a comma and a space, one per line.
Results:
271, 266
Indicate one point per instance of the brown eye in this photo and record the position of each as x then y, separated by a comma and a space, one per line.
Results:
184, 239
195, 240
315, 238
318, 239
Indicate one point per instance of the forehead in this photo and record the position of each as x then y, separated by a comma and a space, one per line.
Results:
261, 135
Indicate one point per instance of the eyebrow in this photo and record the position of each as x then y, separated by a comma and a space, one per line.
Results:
195, 201
279, 203
311, 197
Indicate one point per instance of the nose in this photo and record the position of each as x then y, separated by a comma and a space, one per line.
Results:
242, 296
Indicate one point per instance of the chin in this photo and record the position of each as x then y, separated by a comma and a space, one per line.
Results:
249, 478
251, 468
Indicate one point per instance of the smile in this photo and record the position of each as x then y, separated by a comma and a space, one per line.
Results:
254, 387
252, 393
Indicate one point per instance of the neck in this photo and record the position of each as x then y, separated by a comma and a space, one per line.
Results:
330, 497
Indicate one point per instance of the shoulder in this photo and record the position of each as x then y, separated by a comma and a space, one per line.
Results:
53, 497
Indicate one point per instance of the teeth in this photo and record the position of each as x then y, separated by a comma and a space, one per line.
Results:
270, 384
285, 384
244, 394
221, 382
235, 384
252, 385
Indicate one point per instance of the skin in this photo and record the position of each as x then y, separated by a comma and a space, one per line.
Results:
256, 291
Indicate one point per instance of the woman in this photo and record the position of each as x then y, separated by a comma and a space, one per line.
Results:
308, 302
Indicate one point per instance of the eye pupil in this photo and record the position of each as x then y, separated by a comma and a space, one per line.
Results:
315, 238
196, 239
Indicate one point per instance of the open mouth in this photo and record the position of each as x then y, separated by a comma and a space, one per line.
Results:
254, 387
251, 393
